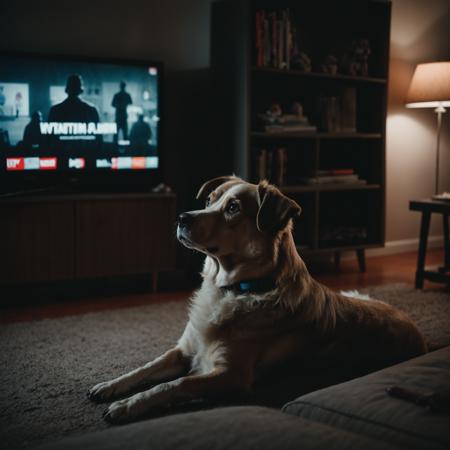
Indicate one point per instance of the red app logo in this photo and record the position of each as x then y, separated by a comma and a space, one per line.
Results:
47, 163
15, 164
138, 162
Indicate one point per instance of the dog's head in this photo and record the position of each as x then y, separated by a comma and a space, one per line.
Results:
239, 219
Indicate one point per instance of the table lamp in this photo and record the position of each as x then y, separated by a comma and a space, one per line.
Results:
430, 88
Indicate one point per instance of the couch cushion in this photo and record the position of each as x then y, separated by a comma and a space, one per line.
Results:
244, 427
362, 405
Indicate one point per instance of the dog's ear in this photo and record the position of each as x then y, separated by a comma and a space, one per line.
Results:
275, 209
210, 185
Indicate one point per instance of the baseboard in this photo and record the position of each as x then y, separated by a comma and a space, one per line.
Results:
399, 246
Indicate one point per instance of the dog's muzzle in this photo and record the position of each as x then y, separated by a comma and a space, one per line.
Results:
184, 223
185, 220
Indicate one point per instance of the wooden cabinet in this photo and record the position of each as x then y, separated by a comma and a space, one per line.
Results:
124, 236
86, 236
247, 83
36, 241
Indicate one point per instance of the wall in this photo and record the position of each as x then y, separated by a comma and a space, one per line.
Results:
176, 31
420, 33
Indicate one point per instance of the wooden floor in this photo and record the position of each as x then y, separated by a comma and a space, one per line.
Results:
380, 270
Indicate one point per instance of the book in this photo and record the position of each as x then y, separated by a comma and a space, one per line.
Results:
259, 38
269, 166
274, 38
261, 164
273, 23
279, 175
280, 59
266, 41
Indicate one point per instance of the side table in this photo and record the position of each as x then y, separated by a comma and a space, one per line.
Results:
427, 207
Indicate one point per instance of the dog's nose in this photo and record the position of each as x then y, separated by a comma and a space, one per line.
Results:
185, 220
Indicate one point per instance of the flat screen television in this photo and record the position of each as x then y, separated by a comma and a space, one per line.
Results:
68, 120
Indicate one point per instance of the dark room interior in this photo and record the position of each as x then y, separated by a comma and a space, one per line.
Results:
225, 224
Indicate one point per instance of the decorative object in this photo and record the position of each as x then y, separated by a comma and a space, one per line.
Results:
329, 65
301, 61
356, 61
430, 88
275, 121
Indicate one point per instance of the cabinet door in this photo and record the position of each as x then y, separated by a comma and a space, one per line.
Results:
36, 242
125, 236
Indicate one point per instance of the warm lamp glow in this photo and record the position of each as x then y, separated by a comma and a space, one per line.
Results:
430, 86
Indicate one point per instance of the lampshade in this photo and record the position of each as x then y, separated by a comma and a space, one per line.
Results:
430, 86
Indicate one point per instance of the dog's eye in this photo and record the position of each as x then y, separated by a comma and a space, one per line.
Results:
233, 207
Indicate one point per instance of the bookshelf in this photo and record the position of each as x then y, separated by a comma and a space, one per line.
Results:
259, 76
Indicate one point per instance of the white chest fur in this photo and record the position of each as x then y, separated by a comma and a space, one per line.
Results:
211, 309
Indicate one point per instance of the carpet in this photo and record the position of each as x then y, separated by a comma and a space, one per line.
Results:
47, 366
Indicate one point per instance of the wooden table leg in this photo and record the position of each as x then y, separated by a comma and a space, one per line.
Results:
361, 254
424, 227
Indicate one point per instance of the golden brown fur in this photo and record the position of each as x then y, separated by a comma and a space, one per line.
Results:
231, 337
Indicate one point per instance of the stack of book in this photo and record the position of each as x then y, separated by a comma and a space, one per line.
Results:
331, 176
291, 127
280, 122
271, 165
274, 39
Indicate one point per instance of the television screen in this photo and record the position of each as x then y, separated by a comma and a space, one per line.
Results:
60, 114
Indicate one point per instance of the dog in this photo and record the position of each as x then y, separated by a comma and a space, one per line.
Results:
257, 307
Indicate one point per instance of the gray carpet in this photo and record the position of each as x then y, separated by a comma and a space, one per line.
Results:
47, 366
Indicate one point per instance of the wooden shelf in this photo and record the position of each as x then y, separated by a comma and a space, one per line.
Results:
328, 187
244, 91
319, 76
314, 135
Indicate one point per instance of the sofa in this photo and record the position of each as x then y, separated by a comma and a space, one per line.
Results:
357, 414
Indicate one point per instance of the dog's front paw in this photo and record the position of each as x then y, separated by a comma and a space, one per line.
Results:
119, 412
103, 392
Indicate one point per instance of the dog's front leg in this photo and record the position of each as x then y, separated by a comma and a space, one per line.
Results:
169, 366
216, 383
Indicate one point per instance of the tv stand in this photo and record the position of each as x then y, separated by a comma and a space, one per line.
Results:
47, 238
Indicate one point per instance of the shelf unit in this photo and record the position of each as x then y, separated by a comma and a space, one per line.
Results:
243, 90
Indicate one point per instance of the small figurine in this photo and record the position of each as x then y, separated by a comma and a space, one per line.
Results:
329, 65
297, 109
301, 61
355, 62
274, 120
274, 111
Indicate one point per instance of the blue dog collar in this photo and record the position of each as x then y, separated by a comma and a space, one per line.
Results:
257, 285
